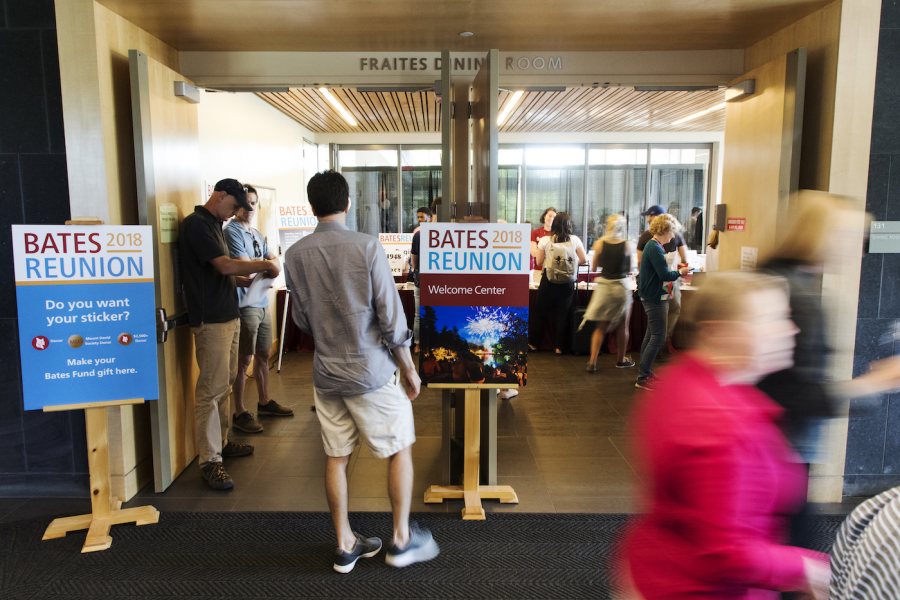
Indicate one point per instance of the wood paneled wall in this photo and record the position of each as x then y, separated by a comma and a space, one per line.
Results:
842, 44
93, 57
94, 77
759, 168
115, 36
819, 33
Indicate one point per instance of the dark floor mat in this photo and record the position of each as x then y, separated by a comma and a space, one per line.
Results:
288, 555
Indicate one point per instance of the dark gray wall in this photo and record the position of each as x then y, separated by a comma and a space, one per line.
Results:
40, 454
873, 445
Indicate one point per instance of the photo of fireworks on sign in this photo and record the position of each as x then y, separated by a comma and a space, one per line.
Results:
473, 344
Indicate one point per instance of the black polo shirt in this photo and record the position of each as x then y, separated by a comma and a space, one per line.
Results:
210, 296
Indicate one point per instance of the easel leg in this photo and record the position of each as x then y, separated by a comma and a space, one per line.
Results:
105, 512
284, 318
471, 492
473, 510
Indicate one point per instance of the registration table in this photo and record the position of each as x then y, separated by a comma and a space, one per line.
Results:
294, 339
636, 326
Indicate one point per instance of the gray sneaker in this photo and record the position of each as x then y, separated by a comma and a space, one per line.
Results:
216, 477
421, 548
364, 548
247, 423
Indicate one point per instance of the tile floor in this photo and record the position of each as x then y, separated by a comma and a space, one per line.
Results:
563, 445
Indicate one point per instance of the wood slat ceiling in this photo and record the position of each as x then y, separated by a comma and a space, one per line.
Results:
579, 109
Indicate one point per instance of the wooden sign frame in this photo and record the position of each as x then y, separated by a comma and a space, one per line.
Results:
105, 510
471, 491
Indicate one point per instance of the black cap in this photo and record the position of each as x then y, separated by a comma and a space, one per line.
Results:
235, 188
654, 210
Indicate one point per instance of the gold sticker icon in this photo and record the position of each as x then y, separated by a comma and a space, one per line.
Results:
76, 341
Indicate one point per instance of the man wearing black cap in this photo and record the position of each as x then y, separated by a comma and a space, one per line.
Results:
207, 274
676, 245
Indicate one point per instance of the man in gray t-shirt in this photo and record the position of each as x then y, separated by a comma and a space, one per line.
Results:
364, 379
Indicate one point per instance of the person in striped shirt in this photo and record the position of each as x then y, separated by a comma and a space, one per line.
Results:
865, 559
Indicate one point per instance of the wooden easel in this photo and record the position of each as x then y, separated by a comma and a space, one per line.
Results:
471, 490
105, 510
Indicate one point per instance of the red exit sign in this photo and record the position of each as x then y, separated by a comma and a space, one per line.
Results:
736, 224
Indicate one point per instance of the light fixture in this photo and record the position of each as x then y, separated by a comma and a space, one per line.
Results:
345, 114
507, 108
466, 34
699, 114
740, 89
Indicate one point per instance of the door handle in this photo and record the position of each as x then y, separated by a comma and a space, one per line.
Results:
164, 324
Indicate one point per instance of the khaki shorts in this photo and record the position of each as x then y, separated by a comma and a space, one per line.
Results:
256, 331
383, 417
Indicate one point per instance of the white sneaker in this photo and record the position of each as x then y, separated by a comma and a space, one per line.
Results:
507, 393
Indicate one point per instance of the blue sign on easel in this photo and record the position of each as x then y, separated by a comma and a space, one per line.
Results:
87, 324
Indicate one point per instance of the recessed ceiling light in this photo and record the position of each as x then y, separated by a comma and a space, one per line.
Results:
345, 114
466, 34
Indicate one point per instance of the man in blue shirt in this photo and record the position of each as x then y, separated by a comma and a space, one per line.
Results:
245, 242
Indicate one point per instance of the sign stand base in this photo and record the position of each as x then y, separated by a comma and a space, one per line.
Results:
471, 491
105, 511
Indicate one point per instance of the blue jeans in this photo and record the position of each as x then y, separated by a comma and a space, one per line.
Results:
654, 337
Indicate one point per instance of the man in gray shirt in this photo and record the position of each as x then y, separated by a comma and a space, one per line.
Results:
364, 379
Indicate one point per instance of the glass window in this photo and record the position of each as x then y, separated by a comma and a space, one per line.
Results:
679, 179
372, 177
421, 168
421, 185
590, 182
554, 176
617, 180
510, 162
508, 194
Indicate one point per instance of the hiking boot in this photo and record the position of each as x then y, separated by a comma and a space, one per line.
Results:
644, 383
234, 449
216, 477
421, 548
363, 548
273, 409
247, 423
625, 364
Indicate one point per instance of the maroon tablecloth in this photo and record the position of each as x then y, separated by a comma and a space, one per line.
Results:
294, 339
636, 327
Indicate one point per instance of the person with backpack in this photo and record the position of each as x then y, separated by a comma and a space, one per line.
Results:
560, 253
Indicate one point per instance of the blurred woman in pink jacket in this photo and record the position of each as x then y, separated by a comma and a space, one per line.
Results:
718, 474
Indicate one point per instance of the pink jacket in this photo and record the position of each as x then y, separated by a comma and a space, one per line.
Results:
719, 478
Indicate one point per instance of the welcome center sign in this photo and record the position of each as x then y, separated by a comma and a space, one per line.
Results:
87, 329
474, 303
